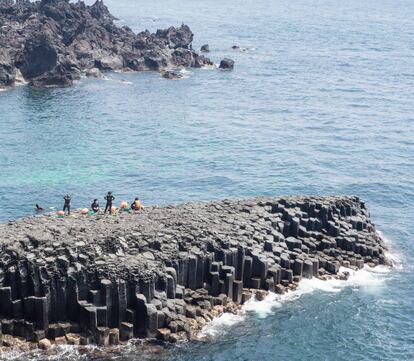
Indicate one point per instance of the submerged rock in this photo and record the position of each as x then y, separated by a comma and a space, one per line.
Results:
227, 64
205, 48
93, 73
171, 74
52, 42
238, 48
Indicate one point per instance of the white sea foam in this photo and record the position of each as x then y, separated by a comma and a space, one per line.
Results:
265, 307
185, 73
367, 279
392, 254
221, 325
122, 81
209, 67
60, 352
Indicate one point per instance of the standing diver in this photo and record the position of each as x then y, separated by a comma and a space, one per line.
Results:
66, 206
109, 199
95, 205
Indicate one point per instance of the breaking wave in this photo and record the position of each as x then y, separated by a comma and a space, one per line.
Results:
367, 278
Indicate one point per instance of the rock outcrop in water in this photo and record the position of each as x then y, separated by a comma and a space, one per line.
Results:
53, 42
227, 64
166, 271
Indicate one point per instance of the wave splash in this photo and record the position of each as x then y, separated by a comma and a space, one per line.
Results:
367, 278
395, 258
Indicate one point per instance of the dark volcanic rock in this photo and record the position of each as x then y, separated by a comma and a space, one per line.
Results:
52, 42
227, 64
7, 70
39, 56
40, 65
177, 37
205, 48
170, 74
100, 11
160, 271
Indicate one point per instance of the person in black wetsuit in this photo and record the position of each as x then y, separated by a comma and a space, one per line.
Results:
38, 209
109, 199
95, 206
66, 206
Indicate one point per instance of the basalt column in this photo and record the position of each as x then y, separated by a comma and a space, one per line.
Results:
162, 271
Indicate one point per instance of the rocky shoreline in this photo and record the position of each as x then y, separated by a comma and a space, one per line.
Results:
165, 272
52, 43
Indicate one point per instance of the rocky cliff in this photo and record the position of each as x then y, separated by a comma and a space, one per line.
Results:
53, 42
164, 271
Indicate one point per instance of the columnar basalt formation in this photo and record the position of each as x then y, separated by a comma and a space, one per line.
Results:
162, 272
53, 42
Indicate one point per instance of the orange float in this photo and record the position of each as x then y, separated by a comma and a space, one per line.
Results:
124, 204
113, 209
61, 213
85, 211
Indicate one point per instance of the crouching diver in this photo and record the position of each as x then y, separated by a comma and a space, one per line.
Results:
109, 199
136, 205
95, 206
66, 206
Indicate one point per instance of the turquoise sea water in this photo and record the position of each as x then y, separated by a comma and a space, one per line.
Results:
320, 103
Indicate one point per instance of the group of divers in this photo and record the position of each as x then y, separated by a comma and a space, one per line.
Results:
95, 208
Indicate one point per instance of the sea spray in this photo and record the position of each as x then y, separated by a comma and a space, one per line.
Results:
392, 255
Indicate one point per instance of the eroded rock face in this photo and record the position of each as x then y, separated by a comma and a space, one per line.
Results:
177, 37
163, 271
39, 56
52, 42
7, 70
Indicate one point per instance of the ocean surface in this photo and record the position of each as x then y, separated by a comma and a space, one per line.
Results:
320, 102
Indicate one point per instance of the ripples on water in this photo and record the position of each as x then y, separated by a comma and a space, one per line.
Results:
321, 103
